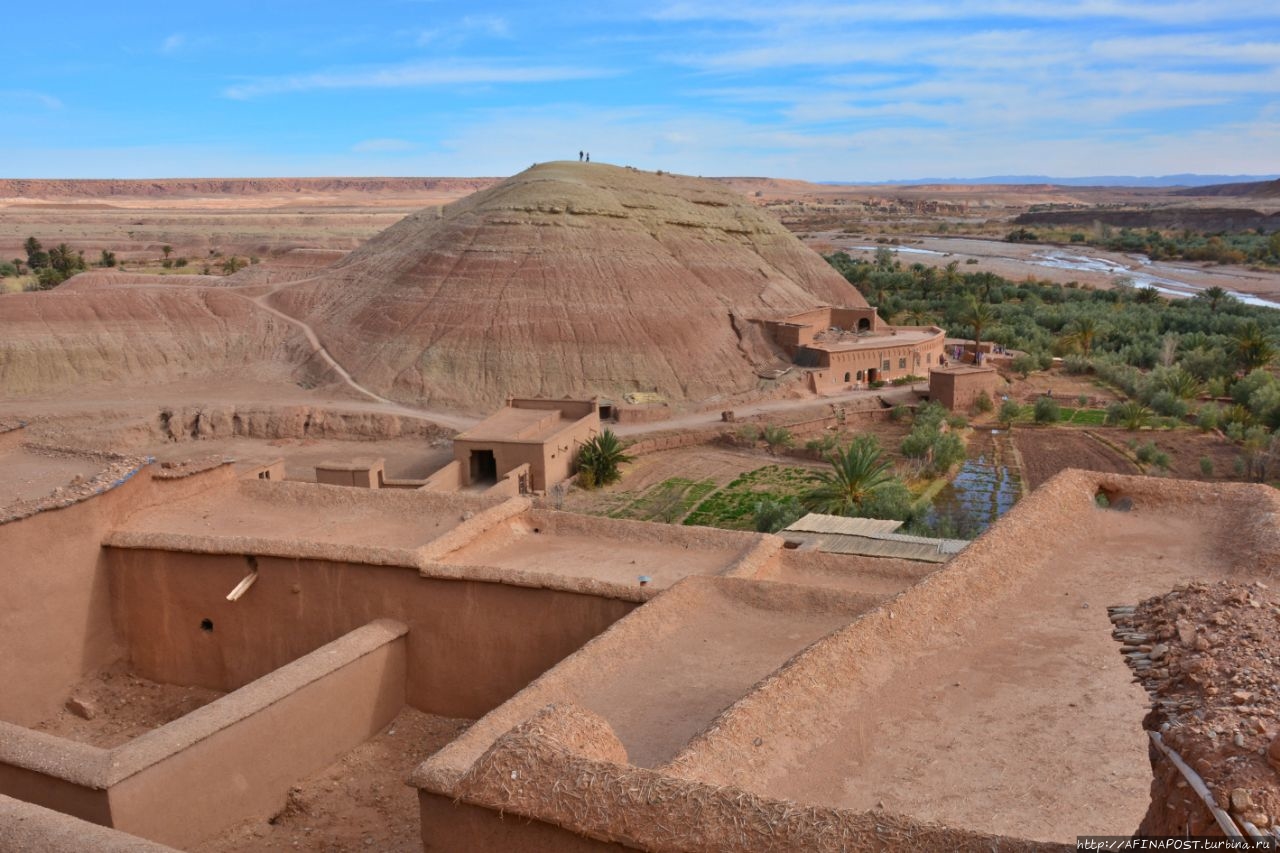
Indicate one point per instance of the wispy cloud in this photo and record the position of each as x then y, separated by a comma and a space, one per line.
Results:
453, 34
411, 75
173, 44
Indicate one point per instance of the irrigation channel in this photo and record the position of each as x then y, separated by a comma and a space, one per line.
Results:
984, 488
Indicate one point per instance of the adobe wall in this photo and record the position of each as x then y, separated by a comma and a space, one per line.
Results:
571, 409
908, 360
239, 756
447, 479
55, 613
232, 759
24, 826
458, 628
959, 391
561, 768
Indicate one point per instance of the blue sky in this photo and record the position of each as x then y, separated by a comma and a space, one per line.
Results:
820, 91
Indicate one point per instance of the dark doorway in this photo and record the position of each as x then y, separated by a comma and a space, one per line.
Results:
483, 466
873, 375
864, 325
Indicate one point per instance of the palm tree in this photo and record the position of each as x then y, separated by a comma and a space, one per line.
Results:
919, 317
856, 472
1254, 347
1214, 296
1083, 332
979, 316
601, 457
1131, 415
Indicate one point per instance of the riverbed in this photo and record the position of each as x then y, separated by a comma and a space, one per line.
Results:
1083, 264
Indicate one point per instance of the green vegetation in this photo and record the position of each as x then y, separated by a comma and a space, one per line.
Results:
668, 501
599, 460
1162, 354
1047, 411
53, 267
860, 483
734, 506
934, 449
776, 438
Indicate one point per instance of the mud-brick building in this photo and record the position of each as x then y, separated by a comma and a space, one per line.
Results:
851, 348
958, 386
545, 435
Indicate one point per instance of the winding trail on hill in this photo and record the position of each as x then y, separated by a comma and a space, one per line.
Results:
443, 418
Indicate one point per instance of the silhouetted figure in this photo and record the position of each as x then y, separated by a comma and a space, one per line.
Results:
579, 156
588, 156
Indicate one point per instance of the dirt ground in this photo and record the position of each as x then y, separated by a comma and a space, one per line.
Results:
1186, 447
122, 706
359, 803
1047, 450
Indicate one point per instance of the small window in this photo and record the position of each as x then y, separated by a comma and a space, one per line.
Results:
847, 377
902, 363
859, 375
884, 365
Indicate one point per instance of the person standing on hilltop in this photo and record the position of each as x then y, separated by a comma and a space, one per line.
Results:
579, 156
588, 156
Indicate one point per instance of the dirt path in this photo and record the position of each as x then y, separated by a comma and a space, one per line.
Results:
444, 418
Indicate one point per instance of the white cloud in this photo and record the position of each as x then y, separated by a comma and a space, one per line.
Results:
410, 75
173, 43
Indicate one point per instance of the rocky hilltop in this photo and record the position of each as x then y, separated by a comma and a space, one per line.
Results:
567, 279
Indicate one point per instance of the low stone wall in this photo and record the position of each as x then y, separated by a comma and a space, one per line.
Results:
672, 442
232, 759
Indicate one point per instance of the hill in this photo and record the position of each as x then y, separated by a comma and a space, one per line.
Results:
568, 278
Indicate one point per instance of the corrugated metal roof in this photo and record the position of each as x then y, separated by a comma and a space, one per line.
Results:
816, 522
869, 537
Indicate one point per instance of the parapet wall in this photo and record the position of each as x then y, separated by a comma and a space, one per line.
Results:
559, 768
229, 760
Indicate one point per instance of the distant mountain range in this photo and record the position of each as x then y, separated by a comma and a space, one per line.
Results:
1186, 180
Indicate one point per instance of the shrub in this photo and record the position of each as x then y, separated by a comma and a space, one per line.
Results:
898, 413
773, 515
1025, 364
1147, 452
1083, 401
982, 403
876, 383
1208, 417
1047, 411
1077, 364
1167, 404
777, 438
1010, 411
1206, 466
